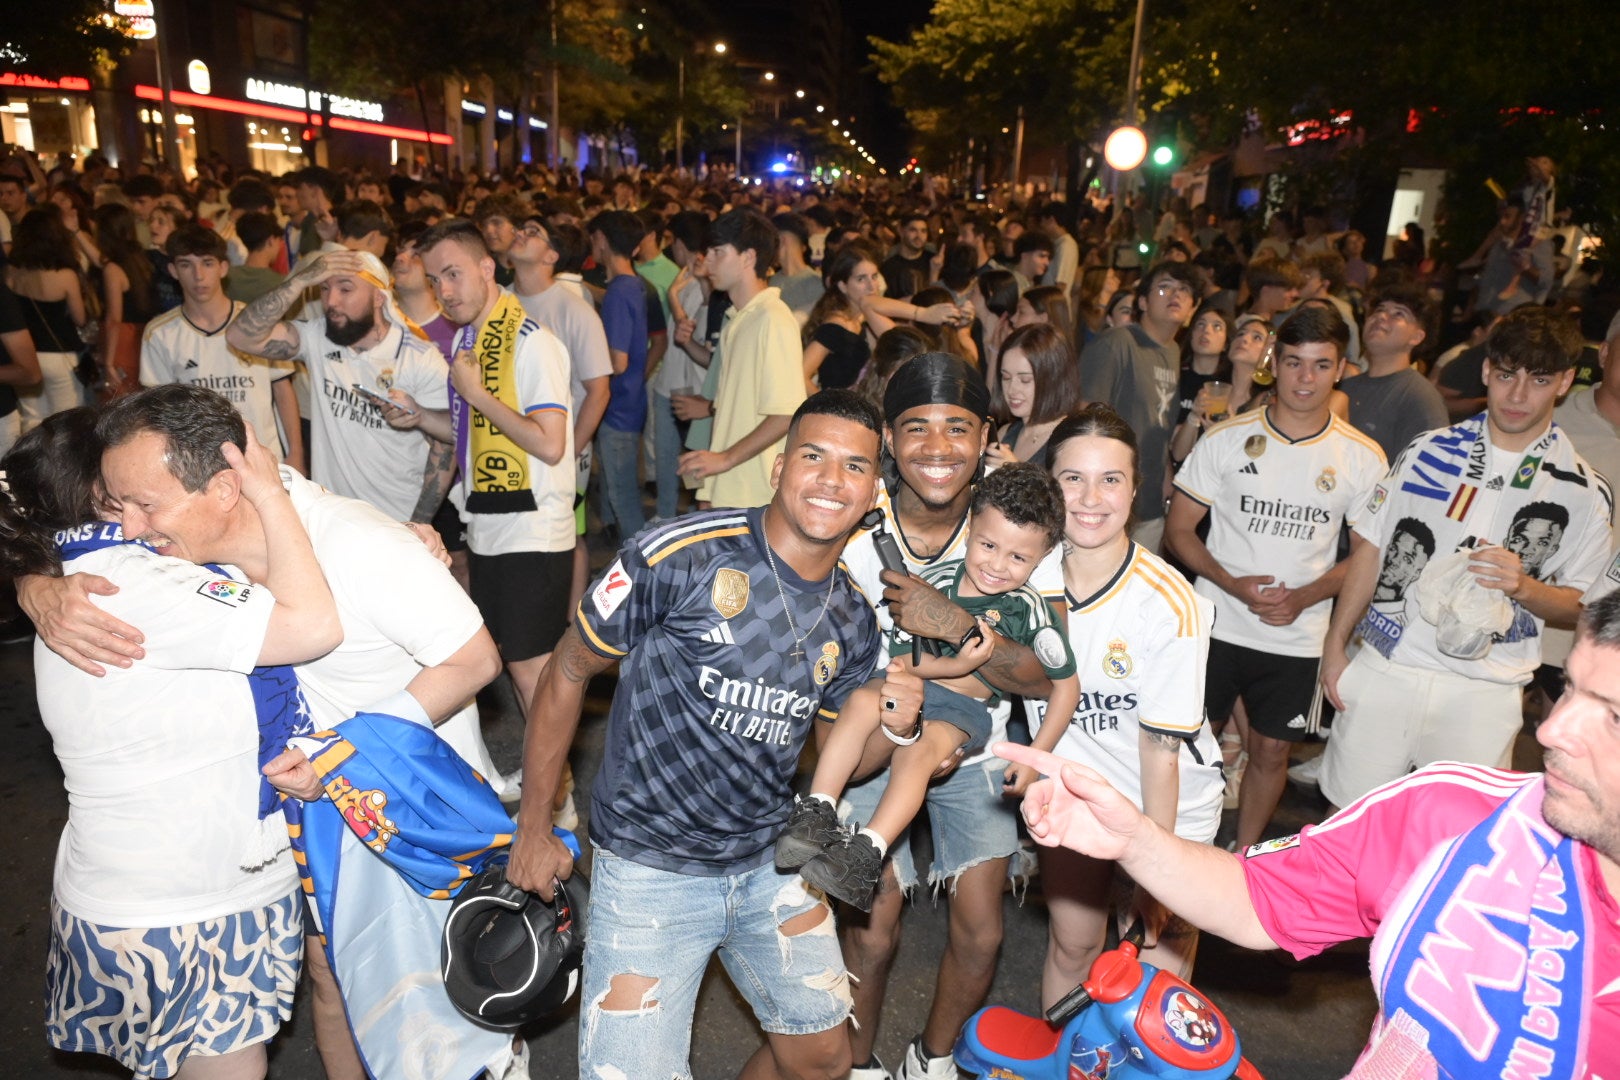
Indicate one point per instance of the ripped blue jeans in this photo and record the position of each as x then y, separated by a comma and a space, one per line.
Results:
651, 934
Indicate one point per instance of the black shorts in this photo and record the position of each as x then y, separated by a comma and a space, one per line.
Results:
1278, 691
523, 598
450, 527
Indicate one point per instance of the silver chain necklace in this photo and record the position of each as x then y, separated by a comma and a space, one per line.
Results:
797, 652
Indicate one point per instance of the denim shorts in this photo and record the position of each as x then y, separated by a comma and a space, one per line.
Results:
972, 822
968, 715
666, 926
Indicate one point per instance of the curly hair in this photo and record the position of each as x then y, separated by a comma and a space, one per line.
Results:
1024, 494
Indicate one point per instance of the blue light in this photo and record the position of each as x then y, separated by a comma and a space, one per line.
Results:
779, 167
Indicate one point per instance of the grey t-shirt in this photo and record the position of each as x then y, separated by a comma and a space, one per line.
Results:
1395, 409
799, 291
1140, 378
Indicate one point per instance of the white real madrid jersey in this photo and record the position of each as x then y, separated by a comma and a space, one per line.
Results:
1276, 506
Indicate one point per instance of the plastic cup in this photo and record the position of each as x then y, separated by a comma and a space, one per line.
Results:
1217, 398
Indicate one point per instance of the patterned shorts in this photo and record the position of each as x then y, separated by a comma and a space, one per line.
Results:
149, 997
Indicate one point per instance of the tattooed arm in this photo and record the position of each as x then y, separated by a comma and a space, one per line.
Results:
436, 476
537, 855
921, 609
259, 330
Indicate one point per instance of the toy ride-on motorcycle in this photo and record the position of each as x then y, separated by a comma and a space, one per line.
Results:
1127, 1021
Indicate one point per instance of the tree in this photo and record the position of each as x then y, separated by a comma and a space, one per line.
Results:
68, 37
1468, 90
967, 71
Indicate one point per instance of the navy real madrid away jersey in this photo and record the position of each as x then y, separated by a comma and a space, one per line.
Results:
713, 705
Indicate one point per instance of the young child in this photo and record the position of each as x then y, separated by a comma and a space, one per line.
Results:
1017, 517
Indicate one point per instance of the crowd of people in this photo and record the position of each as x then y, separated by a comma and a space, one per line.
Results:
1068, 521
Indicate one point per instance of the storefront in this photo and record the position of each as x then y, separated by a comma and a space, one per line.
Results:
284, 126
52, 117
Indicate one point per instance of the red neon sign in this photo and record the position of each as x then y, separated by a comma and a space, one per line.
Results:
33, 82
290, 116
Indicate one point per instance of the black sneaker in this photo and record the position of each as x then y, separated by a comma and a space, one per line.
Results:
811, 829
849, 871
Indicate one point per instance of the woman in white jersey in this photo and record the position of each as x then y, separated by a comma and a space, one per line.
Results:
1141, 638
176, 929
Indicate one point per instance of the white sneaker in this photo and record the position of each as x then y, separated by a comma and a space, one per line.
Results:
1307, 773
511, 789
518, 1067
1234, 781
568, 816
875, 1071
917, 1067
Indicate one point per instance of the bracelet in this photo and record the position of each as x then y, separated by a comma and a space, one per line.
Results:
916, 313
903, 740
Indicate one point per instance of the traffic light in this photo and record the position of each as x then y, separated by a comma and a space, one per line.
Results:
1163, 155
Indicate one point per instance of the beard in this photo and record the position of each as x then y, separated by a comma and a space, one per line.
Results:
349, 331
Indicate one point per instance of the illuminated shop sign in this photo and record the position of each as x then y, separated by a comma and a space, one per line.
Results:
296, 97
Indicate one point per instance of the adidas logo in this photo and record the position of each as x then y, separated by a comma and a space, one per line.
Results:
1297, 723
1249, 470
1495, 484
191, 365
720, 635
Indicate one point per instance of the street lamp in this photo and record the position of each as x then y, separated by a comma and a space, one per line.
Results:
1127, 146
680, 108
799, 94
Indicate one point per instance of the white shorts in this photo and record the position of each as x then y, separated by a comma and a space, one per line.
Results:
1398, 718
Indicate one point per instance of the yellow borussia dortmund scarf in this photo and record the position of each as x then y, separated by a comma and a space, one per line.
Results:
498, 468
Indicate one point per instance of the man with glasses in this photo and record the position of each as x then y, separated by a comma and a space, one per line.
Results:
1392, 401
1137, 370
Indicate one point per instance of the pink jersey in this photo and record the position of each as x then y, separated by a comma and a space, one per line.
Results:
1343, 878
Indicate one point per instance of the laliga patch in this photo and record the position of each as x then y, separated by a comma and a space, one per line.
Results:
1267, 847
226, 591
1048, 646
1380, 493
611, 591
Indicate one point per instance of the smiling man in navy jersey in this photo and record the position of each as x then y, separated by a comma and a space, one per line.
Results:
735, 630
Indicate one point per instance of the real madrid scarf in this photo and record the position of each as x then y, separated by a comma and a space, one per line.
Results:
1485, 953
497, 469
403, 824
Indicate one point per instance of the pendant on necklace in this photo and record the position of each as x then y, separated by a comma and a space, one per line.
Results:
797, 652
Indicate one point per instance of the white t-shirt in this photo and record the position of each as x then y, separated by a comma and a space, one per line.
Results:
1276, 506
354, 452
542, 386
579, 328
400, 608
1453, 488
160, 760
865, 570
174, 350
1141, 646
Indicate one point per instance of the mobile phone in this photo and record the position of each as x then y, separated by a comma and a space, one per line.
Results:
888, 553
378, 400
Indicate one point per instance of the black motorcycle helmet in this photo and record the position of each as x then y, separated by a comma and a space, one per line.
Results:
509, 957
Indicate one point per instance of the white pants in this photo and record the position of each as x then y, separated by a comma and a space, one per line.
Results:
1398, 718
58, 390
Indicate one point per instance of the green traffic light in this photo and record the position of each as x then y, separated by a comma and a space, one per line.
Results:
1163, 155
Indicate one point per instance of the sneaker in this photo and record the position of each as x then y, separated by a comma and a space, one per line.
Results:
566, 816
812, 828
919, 1066
511, 787
848, 871
874, 1071
1234, 781
1307, 773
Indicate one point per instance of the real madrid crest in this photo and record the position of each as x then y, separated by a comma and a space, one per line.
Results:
1117, 662
1327, 481
730, 592
826, 665
1254, 445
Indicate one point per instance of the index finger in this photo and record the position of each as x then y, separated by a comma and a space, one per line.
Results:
1047, 762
